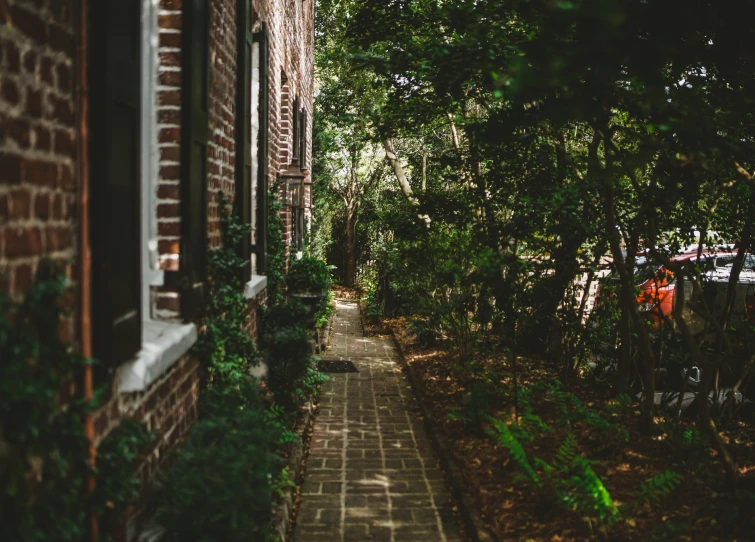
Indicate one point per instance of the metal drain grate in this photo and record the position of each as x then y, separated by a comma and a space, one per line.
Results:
337, 366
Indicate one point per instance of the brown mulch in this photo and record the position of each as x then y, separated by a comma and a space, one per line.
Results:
698, 509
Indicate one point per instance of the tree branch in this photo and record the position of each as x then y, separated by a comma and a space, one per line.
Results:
403, 182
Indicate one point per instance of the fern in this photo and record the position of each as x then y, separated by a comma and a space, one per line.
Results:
572, 410
567, 452
503, 435
590, 484
654, 489
576, 485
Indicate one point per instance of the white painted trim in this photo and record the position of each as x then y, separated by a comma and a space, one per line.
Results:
255, 286
163, 343
152, 275
255, 129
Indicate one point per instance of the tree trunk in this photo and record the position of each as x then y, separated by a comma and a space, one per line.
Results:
403, 182
625, 353
350, 275
705, 422
647, 369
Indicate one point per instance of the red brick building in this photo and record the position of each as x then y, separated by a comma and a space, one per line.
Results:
120, 121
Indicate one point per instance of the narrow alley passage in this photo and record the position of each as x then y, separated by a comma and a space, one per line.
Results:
371, 472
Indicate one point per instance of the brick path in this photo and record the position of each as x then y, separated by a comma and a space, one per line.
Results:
371, 472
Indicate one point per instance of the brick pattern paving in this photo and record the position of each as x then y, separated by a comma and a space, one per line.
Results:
371, 472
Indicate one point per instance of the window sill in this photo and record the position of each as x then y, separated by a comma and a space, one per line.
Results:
255, 286
163, 343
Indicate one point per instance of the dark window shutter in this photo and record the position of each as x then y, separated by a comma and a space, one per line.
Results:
262, 150
194, 139
114, 74
295, 132
303, 144
244, 127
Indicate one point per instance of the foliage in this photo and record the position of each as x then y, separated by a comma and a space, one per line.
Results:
225, 348
325, 311
222, 481
503, 434
308, 275
288, 355
652, 491
292, 372
276, 248
219, 486
374, 307
278, 419
307, 387
571, 410
570, 477
283, 482
475, 407
537, 151
686, 447
117, 483
44, 452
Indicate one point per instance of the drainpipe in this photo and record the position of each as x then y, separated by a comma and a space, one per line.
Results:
85, 261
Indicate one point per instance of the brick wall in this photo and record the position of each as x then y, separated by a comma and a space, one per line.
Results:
169, 134
168, 407
290, 26
222, 144
253, 307
38, 183
37, 141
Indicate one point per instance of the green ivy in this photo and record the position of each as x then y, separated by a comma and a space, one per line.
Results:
225, 348
117, 455
44, 452
276, 249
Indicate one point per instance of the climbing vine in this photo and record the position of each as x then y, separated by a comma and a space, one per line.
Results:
276, 249
225, 348
44, 451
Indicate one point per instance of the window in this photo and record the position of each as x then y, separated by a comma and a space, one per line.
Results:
259, 123
124, 166
246, 97
115, 181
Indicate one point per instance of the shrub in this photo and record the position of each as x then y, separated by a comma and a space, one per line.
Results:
308, 275
292, 374
287, 314
117, 483
219, 487
289, 355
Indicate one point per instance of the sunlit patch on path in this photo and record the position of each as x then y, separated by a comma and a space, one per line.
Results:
371, 472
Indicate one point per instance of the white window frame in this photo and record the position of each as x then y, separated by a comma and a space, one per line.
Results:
163, 343
257, 282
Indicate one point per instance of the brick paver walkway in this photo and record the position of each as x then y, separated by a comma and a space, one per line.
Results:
371, 472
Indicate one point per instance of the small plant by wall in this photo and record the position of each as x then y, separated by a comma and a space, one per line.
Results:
219, 487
